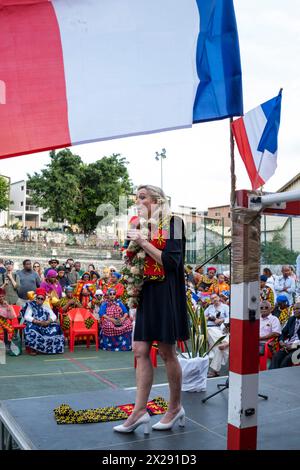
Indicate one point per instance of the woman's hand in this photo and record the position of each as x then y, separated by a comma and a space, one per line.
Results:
136, 236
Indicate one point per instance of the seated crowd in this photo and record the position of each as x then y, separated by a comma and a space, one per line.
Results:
279, 309
46, 296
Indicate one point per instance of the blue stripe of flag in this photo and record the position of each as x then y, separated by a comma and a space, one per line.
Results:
219, 94
269, 138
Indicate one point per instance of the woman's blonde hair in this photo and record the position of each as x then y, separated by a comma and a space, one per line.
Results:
159, 198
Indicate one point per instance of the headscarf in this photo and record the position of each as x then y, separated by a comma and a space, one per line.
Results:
282, 298
52, 273
41, 291
117, 275
61, 268
211, 268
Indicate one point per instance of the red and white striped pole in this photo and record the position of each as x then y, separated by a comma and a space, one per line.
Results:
244, 330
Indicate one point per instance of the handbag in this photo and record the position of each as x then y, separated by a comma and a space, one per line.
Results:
15, 348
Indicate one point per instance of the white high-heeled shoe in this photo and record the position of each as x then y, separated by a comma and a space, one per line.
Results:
145, 420
165, 426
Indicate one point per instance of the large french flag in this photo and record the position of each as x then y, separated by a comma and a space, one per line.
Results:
78, 71
256, 135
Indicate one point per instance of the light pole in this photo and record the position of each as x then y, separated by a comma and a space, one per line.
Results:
160, 156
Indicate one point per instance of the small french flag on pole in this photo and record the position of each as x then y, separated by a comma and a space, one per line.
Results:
256, 135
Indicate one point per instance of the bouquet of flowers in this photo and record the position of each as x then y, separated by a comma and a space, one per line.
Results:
133, 269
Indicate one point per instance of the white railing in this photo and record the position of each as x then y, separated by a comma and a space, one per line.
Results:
32, 208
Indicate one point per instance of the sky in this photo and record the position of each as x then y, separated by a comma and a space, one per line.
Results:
196, 171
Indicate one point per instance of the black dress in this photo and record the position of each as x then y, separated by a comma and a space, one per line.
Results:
162, 311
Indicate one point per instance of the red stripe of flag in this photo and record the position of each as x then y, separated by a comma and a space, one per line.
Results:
244, 360
35, 116
240, 134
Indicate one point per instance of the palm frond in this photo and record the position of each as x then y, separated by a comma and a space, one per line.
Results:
215, 344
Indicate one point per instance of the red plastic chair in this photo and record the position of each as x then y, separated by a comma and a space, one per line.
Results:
77, 327
17, 310
263, 359
15, 322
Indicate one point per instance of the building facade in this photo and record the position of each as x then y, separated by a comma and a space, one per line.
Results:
22, 209
220, 212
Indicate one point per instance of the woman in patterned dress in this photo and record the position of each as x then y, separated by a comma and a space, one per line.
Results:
116, 327
42, 333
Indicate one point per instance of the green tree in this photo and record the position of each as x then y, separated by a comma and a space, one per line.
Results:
275, 252
102, 182
4, 194
56, 188
211, 249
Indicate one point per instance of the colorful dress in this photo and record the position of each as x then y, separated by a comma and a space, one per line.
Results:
112, 337
162, 312
219, 288
6, 314
47, 340
52, 289
282, 314
267, 294
92, 287
208, 284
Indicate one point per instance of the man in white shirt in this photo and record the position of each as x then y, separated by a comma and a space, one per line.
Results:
285, 284
221, 354
269, 325
216, 313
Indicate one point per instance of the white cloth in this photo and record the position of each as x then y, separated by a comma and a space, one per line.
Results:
268, 325
213, 334
288, 282
29, 314
213, 310
194, 373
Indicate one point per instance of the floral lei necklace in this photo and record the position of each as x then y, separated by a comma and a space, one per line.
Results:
139, 266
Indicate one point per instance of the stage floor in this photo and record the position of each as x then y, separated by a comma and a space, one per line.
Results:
31, 423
